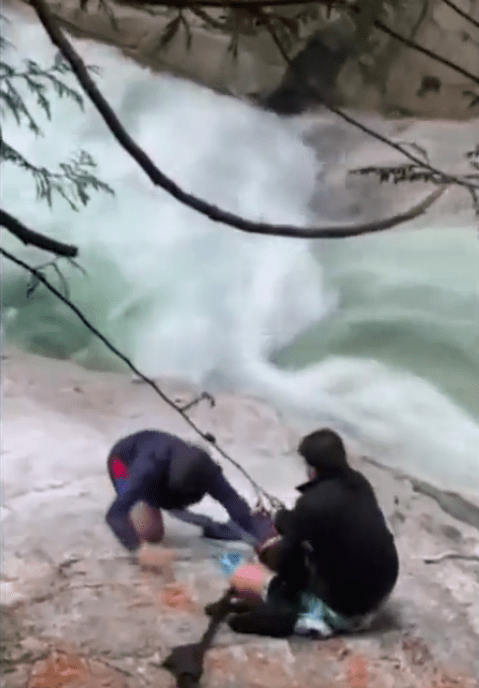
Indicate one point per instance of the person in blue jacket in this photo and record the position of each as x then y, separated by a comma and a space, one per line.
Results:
166, 473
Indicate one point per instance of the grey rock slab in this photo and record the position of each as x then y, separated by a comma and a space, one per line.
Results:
65, 579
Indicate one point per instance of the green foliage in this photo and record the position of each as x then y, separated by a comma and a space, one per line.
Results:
400, 173
75, 178
38, 81
414, 173
72, 182
292, 24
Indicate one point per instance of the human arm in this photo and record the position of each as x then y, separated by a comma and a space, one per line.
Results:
155, 558
237, 508
211, 528
270, 553
282, 520
287, 555
311, 525
190, 517
118, 515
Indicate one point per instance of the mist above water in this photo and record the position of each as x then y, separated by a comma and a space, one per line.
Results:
378, 336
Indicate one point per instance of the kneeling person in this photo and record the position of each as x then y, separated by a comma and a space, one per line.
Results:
152, 470
336, 561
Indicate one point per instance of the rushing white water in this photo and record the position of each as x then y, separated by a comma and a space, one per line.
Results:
369, 335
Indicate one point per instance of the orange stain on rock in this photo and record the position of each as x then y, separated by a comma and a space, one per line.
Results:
357, 672
63, 669
176, 597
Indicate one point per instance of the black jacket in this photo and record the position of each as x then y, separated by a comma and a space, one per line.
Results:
337, 545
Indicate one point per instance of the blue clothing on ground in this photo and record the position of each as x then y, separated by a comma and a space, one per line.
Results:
167, 473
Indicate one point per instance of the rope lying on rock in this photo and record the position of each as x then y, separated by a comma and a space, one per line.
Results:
185, 662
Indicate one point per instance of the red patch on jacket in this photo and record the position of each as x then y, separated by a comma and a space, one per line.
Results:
118, 468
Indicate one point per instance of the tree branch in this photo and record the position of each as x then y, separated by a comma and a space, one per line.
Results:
160, 179
186, 4
450, 555
257, 7
28, 236
461, 13
415, 46
205, 436
471, 186
351, 6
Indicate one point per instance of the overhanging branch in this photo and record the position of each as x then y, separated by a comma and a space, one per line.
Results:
425, 51
39, 277
186, 4
470, 185
201, 206
353, 7
461, 13
29, 237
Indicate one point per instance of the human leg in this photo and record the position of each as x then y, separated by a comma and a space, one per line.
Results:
278, 615
265, 619
211, 529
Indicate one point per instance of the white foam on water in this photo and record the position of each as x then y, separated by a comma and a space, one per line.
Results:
184, 296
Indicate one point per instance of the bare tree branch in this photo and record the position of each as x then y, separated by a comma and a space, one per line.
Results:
353, 7
254, 4
32, 286
461, 13
38, 276
256, 7
28, 236
451, 555
415, 46
438, 174
445, 176
160, 179
186, 4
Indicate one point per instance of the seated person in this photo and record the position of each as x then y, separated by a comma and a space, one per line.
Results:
155, 470
335, 562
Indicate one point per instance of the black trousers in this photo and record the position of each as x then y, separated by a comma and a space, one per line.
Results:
276, 617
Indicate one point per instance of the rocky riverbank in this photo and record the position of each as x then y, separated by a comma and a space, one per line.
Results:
77, 613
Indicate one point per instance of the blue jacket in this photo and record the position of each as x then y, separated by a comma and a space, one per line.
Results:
167, 473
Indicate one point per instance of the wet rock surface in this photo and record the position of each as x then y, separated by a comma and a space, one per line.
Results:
389, 78
77, 612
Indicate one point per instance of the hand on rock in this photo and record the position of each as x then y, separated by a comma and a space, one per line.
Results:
250, 581
155, 558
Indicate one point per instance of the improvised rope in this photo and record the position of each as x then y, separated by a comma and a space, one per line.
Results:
185, 662
208, 437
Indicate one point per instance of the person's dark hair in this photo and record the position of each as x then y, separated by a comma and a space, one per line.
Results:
323, 450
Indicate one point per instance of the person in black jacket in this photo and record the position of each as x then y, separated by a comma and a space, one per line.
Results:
336, 552
163, 471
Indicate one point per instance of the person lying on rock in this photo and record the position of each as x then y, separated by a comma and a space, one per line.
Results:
335, 561
152, 470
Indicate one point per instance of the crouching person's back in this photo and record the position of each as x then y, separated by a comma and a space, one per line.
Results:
352, 560
336, 562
